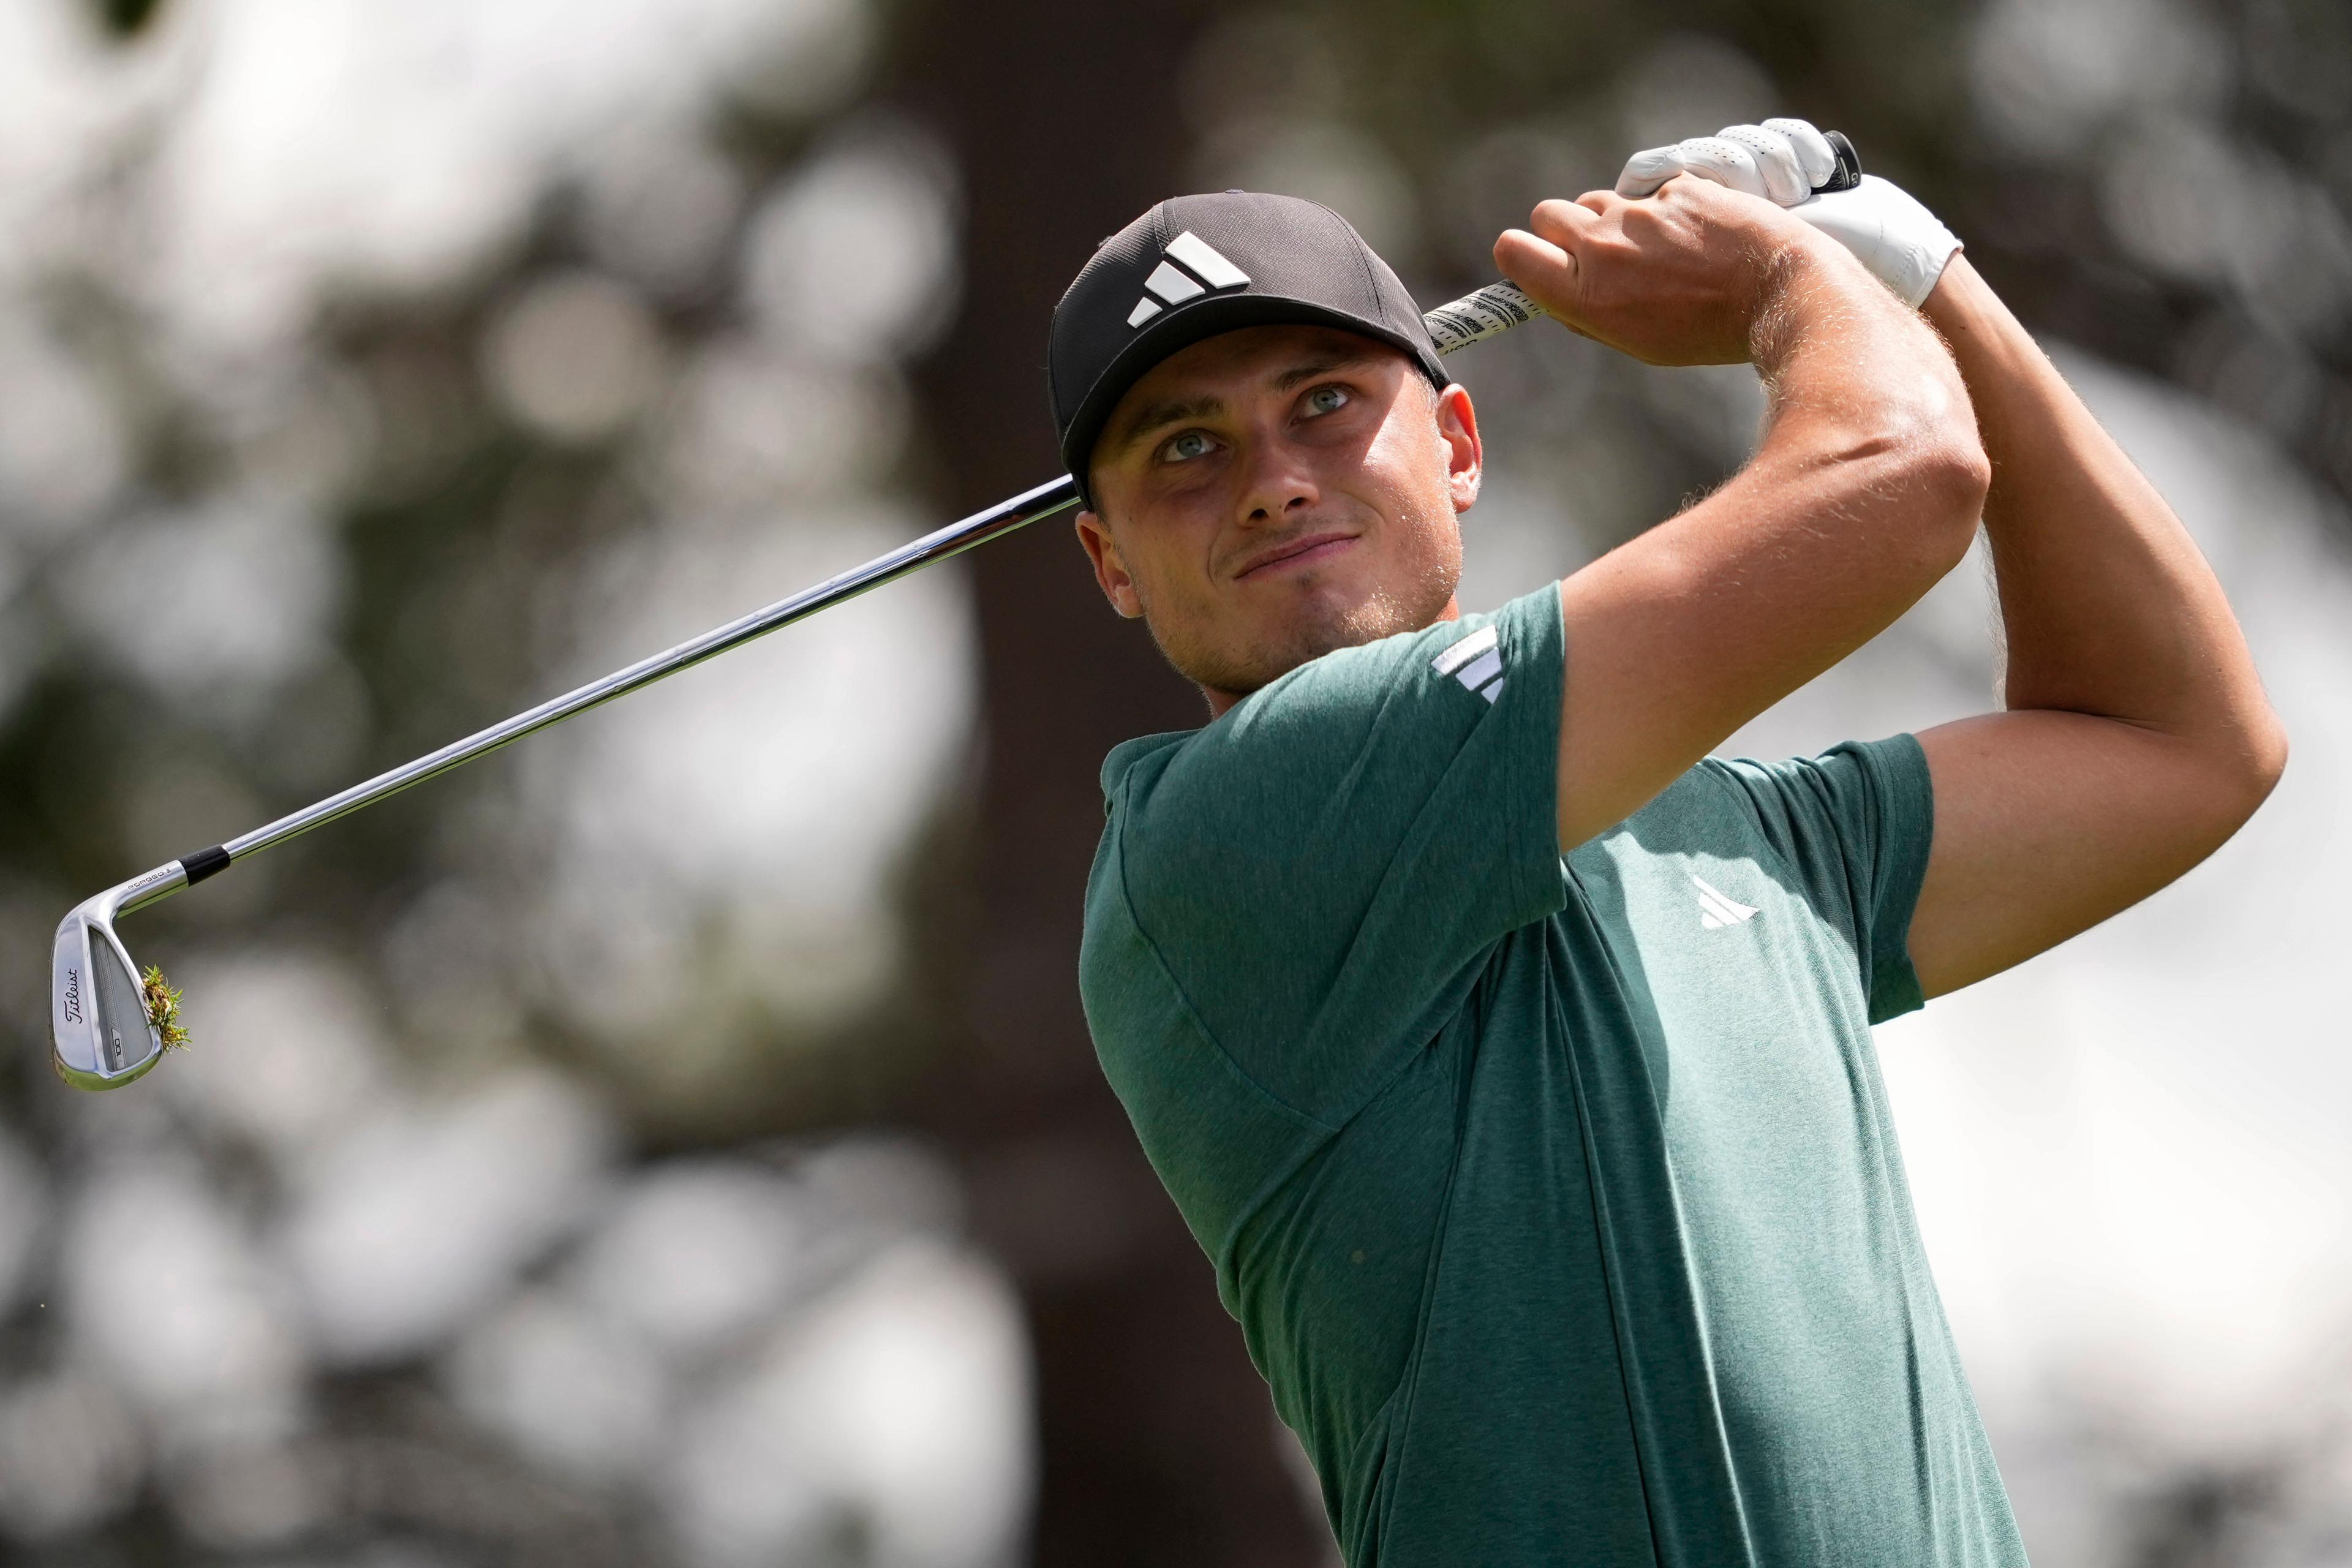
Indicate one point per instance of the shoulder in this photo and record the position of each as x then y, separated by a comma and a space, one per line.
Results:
1356, 685
1414, 697
1144, 756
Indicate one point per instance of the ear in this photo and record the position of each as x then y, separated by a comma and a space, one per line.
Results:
1457, 427
1118, 584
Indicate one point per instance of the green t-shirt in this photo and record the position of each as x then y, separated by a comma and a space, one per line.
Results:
1557, 1197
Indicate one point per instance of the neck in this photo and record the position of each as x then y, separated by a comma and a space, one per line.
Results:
1221, 701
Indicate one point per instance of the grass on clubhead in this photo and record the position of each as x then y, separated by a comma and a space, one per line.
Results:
163, 1009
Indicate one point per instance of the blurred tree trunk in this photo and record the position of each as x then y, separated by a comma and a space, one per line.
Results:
1157, 1438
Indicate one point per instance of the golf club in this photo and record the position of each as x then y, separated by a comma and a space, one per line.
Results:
108, 1025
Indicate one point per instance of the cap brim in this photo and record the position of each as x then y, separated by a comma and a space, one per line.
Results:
1180, 328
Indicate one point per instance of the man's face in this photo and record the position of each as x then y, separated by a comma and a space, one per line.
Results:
1271, 494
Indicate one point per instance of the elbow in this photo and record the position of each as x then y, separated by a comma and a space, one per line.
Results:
2265, 755
1932, 482
2242, 771
1951, 475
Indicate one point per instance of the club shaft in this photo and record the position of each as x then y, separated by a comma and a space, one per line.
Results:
1474, 318
956, 537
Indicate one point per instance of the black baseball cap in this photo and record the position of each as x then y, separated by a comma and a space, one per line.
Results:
1194, 267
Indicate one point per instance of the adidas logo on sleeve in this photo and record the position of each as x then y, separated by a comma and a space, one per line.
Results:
1209, 273
1476, 661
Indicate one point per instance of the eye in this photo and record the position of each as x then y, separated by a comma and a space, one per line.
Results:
1327, 400
1183, 448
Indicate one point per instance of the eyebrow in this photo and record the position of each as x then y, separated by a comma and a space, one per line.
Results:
1154, 417
1323, 366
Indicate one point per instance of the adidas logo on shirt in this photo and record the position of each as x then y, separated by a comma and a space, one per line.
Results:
1476, 661
1189, 267
1716, 909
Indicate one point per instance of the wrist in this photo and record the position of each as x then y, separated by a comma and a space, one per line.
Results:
1807, 276
1985, 337
1963, 307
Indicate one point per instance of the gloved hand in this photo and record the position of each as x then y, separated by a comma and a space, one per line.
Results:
1902, 243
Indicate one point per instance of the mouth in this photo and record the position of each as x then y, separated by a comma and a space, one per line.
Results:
1307, 550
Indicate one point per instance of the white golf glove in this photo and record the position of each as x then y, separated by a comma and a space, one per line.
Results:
1903, 244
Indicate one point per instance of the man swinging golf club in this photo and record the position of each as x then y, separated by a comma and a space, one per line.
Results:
1508, 1056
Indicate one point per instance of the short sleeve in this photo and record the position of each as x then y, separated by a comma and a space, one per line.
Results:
1857, 821
1321, 869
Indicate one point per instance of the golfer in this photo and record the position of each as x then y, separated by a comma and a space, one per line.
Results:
1509, 1056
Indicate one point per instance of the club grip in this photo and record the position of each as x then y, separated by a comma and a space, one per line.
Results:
1475, 316
1491, 312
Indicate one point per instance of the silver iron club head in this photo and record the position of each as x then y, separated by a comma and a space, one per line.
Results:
99, 1034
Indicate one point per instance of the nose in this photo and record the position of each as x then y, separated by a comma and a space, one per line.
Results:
1278, 486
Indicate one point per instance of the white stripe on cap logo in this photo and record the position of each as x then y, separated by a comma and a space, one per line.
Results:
1476, 661
1208, 272
1202, 257
1171, 284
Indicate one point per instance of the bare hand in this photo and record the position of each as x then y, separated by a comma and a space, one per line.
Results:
1679, 277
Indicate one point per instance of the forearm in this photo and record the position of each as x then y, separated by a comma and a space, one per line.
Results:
1863, 493
2107, 607
2138, 739
1846, 369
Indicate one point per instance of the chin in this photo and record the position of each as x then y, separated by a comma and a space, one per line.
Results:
1237, 647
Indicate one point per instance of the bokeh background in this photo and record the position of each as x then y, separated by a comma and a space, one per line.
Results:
675, 1140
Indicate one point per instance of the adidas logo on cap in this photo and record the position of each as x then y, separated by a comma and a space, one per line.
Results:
1237, 258
1190, 265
